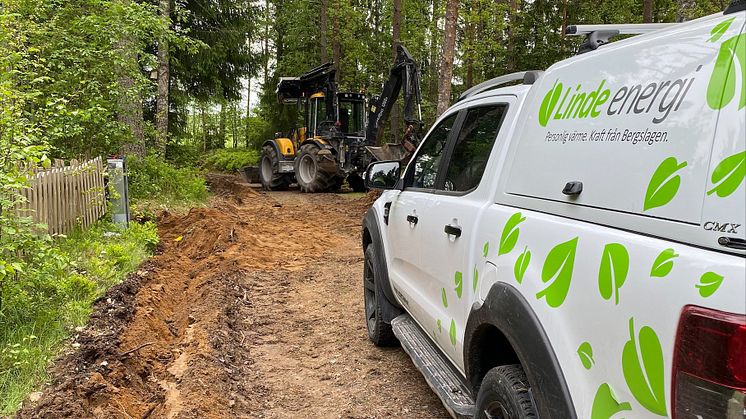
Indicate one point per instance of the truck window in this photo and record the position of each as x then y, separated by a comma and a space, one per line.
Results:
427, 161
472, 147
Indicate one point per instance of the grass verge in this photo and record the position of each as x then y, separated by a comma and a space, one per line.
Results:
45, 304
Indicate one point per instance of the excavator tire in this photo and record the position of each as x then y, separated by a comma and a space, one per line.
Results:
269, 164
316, 169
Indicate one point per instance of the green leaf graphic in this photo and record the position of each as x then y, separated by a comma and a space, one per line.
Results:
646, 380
549, 102
452, 333
558, 266
663, 263
443, 297
510, 234
605, 404
476, 279
709, 283
486, 249
521, 264
440, 326
720, 29
613, 270
664, 184
459, 280
728, 175
585, 352
722, 86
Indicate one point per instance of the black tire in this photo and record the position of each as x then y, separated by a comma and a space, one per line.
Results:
269, 163
357, 184
379, 332
316, 170
505, 394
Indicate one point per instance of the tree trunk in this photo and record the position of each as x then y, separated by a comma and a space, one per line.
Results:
395, 115
510, 62
449, 45
434, 50
336, 42
234, 123
129, 103
161, 116
221, 125
323, 28
265, 44
203, 114
647, 11
470, 54
248, 113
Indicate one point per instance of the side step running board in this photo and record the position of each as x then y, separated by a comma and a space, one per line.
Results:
445, 381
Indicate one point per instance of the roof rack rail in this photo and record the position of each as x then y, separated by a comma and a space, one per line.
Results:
528, 77
597, 35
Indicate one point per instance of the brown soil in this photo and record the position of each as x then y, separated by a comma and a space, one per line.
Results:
252, 308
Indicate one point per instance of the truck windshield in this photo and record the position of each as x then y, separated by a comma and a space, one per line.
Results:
351, 116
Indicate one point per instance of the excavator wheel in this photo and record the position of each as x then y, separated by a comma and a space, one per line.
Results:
357, 184
269, 163
316, 169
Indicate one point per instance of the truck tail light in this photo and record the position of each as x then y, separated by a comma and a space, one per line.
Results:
709, 365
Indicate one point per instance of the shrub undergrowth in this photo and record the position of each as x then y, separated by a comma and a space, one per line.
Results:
155, 184
52, 294
231, 159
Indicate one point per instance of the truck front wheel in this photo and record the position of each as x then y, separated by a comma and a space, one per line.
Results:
379, 332
505, 394
269, 164
316, 169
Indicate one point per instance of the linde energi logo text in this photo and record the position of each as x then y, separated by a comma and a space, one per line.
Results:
659, 97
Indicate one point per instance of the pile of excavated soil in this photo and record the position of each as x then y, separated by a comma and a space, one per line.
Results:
252, 308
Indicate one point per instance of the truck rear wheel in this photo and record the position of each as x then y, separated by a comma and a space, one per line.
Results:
505, 394
269, 164
316, 169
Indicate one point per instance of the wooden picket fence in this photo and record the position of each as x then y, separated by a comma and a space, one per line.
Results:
65, 196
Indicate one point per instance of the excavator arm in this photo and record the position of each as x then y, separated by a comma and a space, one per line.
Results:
404, 78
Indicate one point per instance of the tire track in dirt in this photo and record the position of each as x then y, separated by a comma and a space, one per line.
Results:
252, 308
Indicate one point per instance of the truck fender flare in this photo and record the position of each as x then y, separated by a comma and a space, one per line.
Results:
391, 307
507, 310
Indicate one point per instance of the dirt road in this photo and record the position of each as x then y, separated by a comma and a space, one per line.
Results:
252, 308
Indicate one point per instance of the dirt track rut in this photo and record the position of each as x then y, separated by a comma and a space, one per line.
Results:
252, 308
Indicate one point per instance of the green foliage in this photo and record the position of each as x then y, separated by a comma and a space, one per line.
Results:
52, 294
231, 159
154, 182
70, 58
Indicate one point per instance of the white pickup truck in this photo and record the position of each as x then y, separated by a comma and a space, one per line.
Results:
574, 245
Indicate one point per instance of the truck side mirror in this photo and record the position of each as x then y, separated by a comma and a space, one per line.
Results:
383, 174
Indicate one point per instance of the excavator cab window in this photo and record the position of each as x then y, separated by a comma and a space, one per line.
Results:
316, 114
351, 117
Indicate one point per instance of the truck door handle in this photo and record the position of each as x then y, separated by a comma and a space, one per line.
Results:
412, 219
453, 230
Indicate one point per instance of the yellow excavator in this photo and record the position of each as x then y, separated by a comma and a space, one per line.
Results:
339, 137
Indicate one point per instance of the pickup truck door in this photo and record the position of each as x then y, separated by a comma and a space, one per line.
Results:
403, 229
447, 222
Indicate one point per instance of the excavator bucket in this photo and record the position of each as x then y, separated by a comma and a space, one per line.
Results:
390, 151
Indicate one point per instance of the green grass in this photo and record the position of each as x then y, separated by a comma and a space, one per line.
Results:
157, 185
54, 295
231, 159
